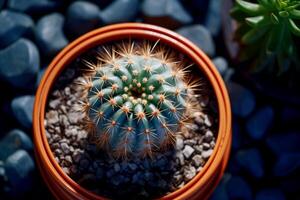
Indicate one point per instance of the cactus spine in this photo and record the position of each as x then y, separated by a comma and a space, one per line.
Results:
137, 98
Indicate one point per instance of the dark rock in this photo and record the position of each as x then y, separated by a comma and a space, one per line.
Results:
166, 13
221, 64
13, 26
238, 188
34, 6
220, 192
19, 167
213, 17
22, 108
284, 143
251, 161
286, 163
270, 194
120, 11
49, 34
19, 63
242, 99
236, 135
82, 16
2, 3
200, 36
14, 140
258, 124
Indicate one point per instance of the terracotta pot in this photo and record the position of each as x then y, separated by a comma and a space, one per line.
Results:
202, 185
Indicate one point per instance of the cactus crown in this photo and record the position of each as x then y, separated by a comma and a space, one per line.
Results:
267, 29
137, 97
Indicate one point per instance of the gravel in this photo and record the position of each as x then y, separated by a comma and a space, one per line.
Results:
136, 178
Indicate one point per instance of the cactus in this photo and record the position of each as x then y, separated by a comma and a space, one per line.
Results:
137, 98
269, 29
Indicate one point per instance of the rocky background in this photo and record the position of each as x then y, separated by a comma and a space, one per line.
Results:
265, 157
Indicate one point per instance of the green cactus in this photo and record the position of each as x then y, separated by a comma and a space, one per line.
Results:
268, 29
137, 99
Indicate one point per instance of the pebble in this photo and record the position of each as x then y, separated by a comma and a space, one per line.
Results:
206, 154
19, 168
198, 160
242, 100
22, 108
13, 141
188, 151
252, 161
238, 188
23, 60
200, 36
49, 34
52, 117
179, 143
270, 194
259, 123
208, 137
82, 17
120, 11
189, 172
13, 26
214, 17
167, 13
286, 163
65, 148
34, 6
221, 65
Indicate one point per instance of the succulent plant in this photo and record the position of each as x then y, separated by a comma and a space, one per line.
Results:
137, 98
268, 30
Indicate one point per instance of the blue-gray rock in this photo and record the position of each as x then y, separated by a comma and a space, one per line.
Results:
259, 123
238, 188
167, 13
270, 194
13, 26
19, 167
22, 108
40, 76
82, 16
19, 63
221, 64
286, 163
251, 161
220, 192
14, 140
200, 36
49, 34
34, 6
120, 11
242, 99
286, 142
213, 17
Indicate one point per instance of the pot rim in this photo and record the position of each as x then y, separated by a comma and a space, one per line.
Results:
118, 32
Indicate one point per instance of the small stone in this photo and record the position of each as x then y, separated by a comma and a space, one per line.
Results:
198, 160
188, 151
189, 172
207, 121
117, 167
251, 161
190, 142
200, 36
19, 63
166, 13
238, 188
69, 132
82, 17
242, 99
286, 163
221, 64
66, 170
214, 17
13, 26
179, 143
13, 141
180, 158
77, 155
258, 124
52, 117
120, 11
49, 34
69, 160
132, 166
19, 168
284, 143
54, 103
22, 108
208, 136
270, 194
65, 148
205, 146
34, 6
206, 154
74, 117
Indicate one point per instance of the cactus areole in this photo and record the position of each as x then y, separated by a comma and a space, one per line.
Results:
137, 98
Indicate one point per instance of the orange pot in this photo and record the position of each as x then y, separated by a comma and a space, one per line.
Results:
202, 185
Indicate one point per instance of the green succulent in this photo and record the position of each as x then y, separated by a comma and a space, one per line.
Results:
268, 30
137, 98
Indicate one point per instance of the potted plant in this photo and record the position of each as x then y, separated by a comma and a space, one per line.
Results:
263, 39
136, 117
